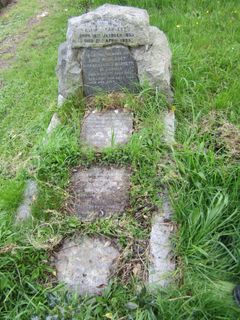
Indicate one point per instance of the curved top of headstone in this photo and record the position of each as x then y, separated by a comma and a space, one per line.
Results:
109, 24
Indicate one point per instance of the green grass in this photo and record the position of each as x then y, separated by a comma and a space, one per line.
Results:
202, 175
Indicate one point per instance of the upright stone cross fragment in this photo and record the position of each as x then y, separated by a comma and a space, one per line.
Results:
113, 48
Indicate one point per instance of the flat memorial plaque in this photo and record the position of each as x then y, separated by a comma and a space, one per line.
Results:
99, 192
109, 69
106, 129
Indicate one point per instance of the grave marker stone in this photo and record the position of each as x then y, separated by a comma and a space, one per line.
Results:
85, 264
113, 48
104, 129
99, 192
108, 69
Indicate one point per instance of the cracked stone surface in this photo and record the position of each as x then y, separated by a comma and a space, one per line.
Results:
99, 192
85, 265
104, 129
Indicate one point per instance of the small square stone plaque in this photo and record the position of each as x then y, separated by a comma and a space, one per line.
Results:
108, 69
105, 129
99, 192
85, 264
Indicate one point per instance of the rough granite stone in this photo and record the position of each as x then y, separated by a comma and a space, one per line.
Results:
30, 194
154, 63
105, 129
107, 25
69, 70
111, 25
85, 265
99, 192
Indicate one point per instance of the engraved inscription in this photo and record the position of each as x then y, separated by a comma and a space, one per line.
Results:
105, 32
109, 69
99, 192
104, 129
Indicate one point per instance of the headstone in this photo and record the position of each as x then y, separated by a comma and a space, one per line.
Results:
99, 192
105, 129
85, 264
108, 69
110, 49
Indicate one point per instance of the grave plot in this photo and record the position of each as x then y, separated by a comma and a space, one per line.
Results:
110, 49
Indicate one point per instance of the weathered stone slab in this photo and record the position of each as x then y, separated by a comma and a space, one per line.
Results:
108, 69
109, 24
24, 211
162, 262
99, 192
84, 265
105, 129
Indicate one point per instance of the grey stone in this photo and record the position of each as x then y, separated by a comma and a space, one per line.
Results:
169, 127
162, 263
154, 62
105, 129
108, 69
85, 265
30, 194
109, 24
99, 192
54, 123
69, 70
61, 100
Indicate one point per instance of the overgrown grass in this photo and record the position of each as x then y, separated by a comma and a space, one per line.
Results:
203, 180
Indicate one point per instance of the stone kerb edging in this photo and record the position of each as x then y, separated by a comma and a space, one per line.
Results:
111, 25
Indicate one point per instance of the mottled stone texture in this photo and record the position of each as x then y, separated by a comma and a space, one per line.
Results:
99, 192
169, 127
107, 25
85, 264
111, 25
162, 261
30, 194
105, 129
108, 69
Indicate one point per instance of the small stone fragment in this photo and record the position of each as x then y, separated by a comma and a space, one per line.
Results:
99, 192
85, 265
169, 127
30, 194
54, 123
105, 129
